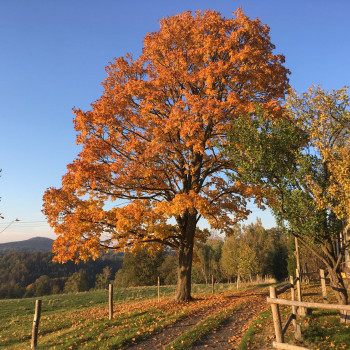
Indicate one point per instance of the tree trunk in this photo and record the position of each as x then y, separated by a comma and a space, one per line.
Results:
183, 292
337, 285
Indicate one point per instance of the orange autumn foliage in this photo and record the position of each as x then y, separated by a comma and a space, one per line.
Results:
152, 138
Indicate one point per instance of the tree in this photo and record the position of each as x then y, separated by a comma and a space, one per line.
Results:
325, 117
42, 286
78, 282
229, 261
140, 268
209, 255
102, 279
168, 270
298, 161
151, 140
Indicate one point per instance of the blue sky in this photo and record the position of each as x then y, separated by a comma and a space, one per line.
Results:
53, 57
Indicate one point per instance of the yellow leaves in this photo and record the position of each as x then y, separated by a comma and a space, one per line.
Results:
325, 116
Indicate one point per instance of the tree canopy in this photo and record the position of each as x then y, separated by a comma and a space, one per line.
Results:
302, 162
151, 139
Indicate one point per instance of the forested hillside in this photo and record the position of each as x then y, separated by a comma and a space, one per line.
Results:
34, 273
36, 244
250, 251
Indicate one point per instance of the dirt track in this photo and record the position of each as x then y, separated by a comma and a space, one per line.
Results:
227, 336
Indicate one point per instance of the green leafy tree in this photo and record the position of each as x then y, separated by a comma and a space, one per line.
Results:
292, 159
102, 279
168, 269
42, 286
78, 282
208, 256
140, 268
229, 260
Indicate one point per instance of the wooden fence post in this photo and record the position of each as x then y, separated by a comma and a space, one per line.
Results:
110, 301
297, 255
158, 284
276, 317
301, 310
323, 285
297, 328
36, 320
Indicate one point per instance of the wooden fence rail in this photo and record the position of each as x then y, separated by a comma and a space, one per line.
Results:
295, 304
308, 304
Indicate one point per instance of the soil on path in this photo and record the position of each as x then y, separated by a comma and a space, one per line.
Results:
227, 336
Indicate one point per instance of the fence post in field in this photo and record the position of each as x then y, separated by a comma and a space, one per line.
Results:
296, 326
323, 285
297, 255
301, 310
276, 317
212, 284
158, 284
110, 301
36, 320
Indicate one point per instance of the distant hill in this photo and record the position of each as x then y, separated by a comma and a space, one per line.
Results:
36, 244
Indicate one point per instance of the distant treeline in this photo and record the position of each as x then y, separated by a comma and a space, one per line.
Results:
34, 273
250, 252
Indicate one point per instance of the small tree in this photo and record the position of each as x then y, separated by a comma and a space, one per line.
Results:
78, 282
102, 279
140, 268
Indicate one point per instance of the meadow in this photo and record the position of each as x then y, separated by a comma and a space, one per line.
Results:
80, 321
75, 321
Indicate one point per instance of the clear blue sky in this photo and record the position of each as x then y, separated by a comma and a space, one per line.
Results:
53, 55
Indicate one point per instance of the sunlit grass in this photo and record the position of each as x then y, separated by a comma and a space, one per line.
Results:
74, 321
320, 330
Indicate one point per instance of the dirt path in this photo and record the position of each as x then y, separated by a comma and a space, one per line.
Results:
230, 333
225, 336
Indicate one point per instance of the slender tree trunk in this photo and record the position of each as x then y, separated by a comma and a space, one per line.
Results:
183, 292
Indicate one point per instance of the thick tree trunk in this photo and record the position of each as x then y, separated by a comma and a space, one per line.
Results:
337, 284
183, 292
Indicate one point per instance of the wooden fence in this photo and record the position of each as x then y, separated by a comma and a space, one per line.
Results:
296, 305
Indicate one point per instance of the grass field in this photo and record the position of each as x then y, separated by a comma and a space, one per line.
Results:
80, 321
74, 321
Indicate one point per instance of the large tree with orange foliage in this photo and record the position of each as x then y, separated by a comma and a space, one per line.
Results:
151, 140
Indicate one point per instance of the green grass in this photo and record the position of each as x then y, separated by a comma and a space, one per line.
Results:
257, 327
321, 330
74, 321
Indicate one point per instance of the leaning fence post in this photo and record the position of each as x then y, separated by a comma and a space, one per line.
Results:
36, 320
276, 316
323, 285
110, 301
